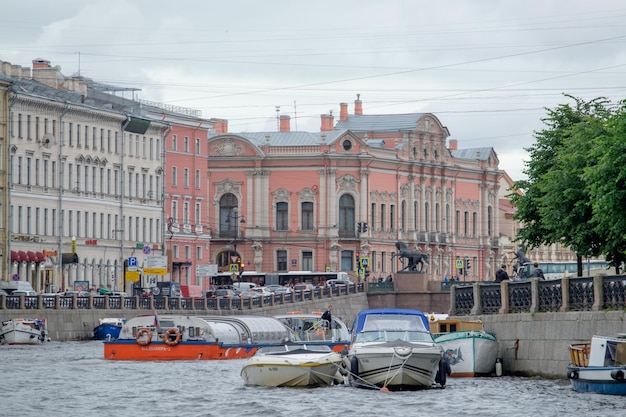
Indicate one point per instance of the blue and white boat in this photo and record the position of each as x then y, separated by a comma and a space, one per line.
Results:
599, 366
393, 349
109, 328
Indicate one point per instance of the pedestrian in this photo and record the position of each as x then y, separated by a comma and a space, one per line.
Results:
328, 316
538, 272
501, 274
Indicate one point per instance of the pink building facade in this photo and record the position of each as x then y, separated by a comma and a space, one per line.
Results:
304, 195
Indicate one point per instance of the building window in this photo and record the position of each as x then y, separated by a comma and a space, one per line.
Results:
347, 260
465, 223
383, 211
474, 224
373, 215
282, 216
197, 146
186, 177
307, 261
198, 179
186, 143
174, 175
281, 260
174, 142
392, 217
346, 216
229, 217
427, 217
307, 215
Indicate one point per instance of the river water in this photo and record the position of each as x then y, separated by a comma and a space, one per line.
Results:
72, 379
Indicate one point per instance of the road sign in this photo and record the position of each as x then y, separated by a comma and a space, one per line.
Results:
459, 264
155, 265
146, 250
234, 267
206, 270
365, 262
132, 263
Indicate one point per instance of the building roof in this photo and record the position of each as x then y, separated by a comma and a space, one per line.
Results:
380, 122
481, 154
290, 138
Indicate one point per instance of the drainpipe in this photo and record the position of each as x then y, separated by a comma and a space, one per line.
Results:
60, 213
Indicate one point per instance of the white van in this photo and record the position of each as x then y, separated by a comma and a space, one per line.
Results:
10, 286
243, 286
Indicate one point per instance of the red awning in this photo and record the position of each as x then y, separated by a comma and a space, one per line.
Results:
31, 257
14, 256
23, 257
40, 257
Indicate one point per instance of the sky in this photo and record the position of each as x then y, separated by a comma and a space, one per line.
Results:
487, 69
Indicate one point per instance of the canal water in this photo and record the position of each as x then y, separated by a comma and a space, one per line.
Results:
72, 379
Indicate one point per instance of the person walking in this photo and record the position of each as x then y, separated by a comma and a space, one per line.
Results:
538, 272
328, 316
501, 274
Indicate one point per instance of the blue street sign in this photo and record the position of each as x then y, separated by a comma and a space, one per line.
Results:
132, 261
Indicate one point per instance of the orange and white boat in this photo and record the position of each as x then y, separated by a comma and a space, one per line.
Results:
173, 337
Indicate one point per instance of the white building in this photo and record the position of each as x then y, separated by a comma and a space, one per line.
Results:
85, 179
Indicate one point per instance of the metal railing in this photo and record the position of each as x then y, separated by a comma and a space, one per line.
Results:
108, 302
601, 292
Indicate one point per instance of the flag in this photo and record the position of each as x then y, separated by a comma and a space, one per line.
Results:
156, 320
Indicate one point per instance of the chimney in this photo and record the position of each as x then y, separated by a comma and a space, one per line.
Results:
343, 112
358, 106
327, 122
221, 126
285, 123
45, 74
454, 144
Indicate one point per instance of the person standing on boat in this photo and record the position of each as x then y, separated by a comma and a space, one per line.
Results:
501, 274
328, 317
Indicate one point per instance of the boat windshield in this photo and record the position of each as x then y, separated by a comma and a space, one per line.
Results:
389, 336
394, 322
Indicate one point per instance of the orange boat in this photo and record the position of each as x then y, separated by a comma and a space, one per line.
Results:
172, 337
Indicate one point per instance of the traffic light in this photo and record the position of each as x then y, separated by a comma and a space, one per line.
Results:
358, 260
468, 265
358, 227
364, 227
242, 267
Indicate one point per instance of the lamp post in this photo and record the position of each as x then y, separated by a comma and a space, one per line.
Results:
237, 219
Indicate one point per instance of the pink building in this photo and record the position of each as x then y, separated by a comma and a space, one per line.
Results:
304, 196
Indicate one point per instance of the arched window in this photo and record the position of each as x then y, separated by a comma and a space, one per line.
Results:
228, 206
346, 216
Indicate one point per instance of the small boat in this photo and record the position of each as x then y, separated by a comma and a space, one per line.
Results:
109, 328
24, 331
311, 329
173, 337
599, 366
393, 349
468, 348
292, 365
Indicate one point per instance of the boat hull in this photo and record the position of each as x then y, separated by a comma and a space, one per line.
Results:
188, 350
308, 370
23, 332
597, 379
469, 353
106, 332
400, 367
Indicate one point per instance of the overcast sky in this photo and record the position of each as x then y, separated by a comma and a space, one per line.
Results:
486, 68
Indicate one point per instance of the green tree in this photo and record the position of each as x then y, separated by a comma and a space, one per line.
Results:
553, 204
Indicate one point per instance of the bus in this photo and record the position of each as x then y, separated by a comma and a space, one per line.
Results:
228, 278
309, 277
555, 270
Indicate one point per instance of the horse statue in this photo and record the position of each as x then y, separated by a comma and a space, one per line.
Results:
520, 258
413, 257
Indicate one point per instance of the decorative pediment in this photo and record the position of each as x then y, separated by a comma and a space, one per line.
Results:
227, 147
347, 182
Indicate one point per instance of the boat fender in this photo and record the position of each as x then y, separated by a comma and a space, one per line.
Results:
354, 366
572, 374
140, 334
498, 366
172, 336
617, 374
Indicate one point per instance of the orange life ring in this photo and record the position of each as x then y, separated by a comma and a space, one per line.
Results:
168, 333
139, 337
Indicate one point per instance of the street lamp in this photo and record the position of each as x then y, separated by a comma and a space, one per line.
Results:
237, 219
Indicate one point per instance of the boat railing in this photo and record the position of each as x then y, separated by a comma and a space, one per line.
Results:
579, 353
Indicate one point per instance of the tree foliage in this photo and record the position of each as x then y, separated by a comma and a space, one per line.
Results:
570, 178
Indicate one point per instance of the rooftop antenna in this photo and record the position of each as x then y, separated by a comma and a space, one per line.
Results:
295, 114
278, 118
79, 64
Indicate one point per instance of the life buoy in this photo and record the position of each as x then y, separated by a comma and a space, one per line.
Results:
168, 339
139, 337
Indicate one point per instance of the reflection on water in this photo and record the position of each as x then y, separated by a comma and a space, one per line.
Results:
72, 379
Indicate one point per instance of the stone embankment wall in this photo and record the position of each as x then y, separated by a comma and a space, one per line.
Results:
67, 325
537, 343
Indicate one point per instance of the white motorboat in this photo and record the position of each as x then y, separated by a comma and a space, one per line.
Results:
393, 349
292, 365
468, 348
24, 331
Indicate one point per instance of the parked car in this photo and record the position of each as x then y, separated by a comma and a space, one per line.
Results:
339, 282
30, 297
224, 293
304, 287
274, 287
283, 290
262, 291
